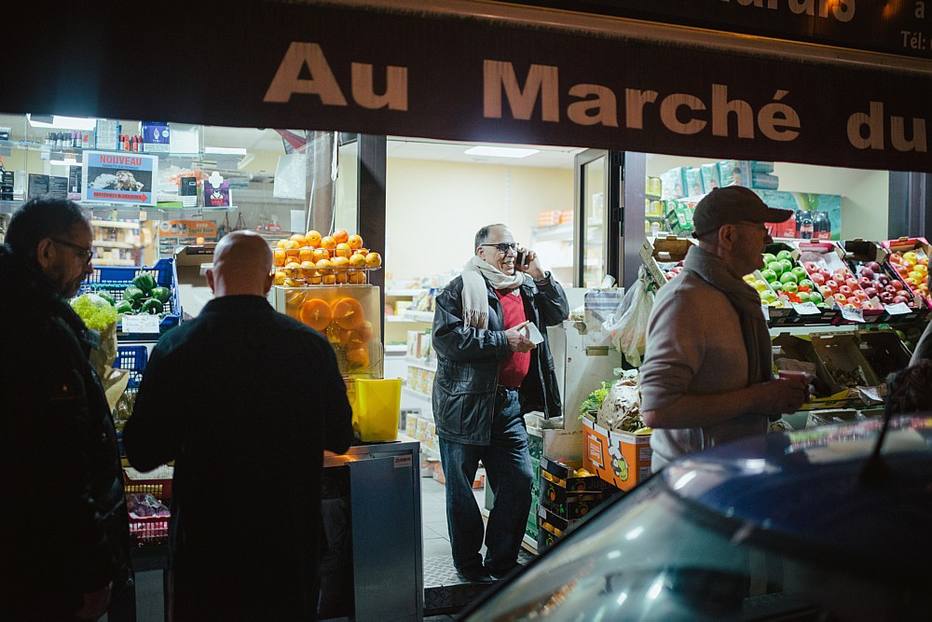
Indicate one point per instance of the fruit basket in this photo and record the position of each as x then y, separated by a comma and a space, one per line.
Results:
113, 283
312, 259
837, 284
870, 263
147, 503
348, 315
909, 260
793, 286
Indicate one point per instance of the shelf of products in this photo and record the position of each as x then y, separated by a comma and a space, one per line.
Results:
422, 363
417, 394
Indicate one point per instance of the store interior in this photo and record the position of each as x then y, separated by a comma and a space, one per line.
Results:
211, 180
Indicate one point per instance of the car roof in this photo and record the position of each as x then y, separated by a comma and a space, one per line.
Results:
806, 486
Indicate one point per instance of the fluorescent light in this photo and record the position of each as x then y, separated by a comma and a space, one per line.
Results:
225, 150
501, 152
64, 123
64, 162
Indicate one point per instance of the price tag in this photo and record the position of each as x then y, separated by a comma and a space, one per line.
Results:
852, 315
900, 308
766, 311
806, 308
145, 323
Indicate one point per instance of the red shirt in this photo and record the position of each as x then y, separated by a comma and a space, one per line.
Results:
515, 367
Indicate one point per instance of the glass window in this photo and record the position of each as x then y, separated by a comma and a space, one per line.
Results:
593, 249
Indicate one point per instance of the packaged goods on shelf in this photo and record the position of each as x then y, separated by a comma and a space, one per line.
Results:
693, 182
548, 218
710, 177
673, 183
815, 216
734, 173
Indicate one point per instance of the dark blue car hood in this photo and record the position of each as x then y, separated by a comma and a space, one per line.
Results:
805, 485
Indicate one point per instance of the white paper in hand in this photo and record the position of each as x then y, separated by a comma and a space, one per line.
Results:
531, 332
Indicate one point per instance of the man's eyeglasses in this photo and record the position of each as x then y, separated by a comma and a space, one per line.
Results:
80, 251
503, 247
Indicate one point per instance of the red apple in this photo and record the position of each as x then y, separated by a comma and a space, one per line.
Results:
844, 289
811, 266
832, 284
840, 298
898, 299
870, 291
860, 293
889, 288
864, 282
896, 285
886, 297
867, 272
852, 283
818, 278
873, 265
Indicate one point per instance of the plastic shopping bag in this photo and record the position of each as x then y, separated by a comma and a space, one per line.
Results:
628, 326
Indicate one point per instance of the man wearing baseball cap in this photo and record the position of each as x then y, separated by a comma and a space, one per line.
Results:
707, 375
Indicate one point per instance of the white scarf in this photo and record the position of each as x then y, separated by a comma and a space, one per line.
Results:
475, 294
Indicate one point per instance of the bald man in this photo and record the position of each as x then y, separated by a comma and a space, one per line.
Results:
244, 400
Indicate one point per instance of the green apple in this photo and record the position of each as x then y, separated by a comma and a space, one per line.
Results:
784, 254
776, 267
804, 296
790, 287
768, 257
786, 277
806, 282
769, 275
777, 286
814, 297
768, 297
800, 273
787, 264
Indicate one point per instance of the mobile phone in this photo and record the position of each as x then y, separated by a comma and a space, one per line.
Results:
523, 259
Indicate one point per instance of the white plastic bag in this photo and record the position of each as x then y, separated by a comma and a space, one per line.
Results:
628, 326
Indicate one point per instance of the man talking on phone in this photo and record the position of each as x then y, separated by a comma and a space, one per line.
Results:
493, 366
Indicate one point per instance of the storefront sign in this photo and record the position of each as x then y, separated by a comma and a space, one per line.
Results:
327, 67
114, 177
892, 26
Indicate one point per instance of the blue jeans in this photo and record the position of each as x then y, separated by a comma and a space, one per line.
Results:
508, 471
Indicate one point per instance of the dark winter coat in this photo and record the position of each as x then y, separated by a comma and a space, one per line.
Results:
63, 527
468, 361
244, 400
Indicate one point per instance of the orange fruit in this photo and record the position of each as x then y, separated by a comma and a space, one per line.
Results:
365, 331
314, 280
278, 256
328, 242
362, 251
321, 253
292, 254
289, 282
306, 253
343, 250
324, 266
358, 357
299, 238
291, 244
342, 277
329, 279
340, 236
357, 261
353, 339
355, 241
316, 313
312, 238
373, 260
280, 277
357, 278
308, 268
281, 244
291, 266
340, 263
348, 313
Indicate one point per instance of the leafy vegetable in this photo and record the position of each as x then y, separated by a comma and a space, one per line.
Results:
96, 312
593, 402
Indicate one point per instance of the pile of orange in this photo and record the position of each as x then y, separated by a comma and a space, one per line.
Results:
344, 322
312, 259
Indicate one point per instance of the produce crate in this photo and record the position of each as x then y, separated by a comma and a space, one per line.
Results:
132, 359
883, 351
904, 245
149, 530
869, 262
114, 280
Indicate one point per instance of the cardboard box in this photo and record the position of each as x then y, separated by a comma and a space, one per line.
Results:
843, 360
619, 458
567, 504
562, 475
661, 254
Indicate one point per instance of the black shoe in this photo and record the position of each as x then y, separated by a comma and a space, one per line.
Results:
474, 575
501, 574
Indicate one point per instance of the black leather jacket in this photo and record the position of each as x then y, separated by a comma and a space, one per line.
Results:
66, 529
468, 361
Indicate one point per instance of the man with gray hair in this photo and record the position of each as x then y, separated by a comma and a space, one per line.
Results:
489, 374
245, 401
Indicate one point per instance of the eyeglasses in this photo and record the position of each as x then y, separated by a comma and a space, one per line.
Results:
80, 251
503, 247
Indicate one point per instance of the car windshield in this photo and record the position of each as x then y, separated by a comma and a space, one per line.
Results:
654, 556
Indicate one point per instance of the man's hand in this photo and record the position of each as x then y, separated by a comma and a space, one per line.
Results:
518, 341
534, 267
781, 396
95, 604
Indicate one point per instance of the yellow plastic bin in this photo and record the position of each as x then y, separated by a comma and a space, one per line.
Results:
376, 409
